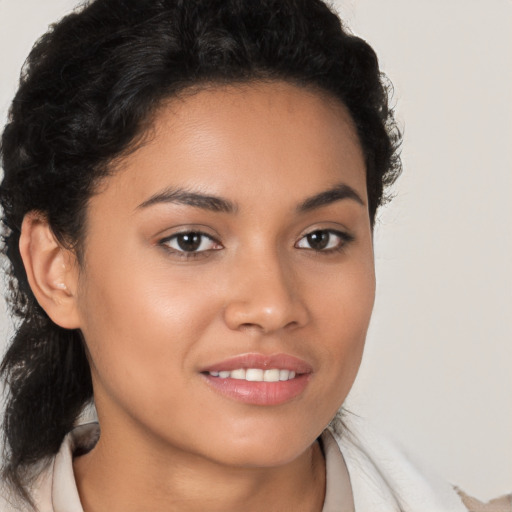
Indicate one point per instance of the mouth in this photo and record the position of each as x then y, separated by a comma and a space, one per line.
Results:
257, 379
256, 374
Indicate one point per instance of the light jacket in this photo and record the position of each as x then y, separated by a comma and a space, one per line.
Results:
382, 477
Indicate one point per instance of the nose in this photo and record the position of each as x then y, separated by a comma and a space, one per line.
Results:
265, 296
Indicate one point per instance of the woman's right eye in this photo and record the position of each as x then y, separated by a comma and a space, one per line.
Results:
190, 242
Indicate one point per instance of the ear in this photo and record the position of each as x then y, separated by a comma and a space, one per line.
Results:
52, 270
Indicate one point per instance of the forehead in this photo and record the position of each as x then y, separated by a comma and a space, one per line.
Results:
253, 141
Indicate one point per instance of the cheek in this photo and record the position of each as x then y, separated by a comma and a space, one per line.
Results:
140, 327
343, 312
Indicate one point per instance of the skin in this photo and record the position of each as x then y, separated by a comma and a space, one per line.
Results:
152, 318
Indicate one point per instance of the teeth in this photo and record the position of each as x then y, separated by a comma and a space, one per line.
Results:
284, 374
256, 374
238, 374
271, 375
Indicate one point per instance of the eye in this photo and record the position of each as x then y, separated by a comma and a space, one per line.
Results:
325, 240
190, 242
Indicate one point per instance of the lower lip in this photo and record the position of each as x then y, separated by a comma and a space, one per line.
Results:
259, 393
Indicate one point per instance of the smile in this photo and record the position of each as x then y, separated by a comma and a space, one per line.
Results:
257, 379
256, 375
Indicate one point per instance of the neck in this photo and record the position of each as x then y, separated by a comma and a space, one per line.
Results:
112, 477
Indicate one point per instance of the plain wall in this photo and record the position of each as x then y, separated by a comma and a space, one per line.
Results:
437, 372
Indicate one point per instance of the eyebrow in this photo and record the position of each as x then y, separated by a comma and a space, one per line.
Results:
182, 196
337, 193
219, 204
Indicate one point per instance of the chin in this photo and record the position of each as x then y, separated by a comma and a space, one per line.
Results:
261, 451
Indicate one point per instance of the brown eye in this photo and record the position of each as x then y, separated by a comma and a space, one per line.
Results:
318, 240
324, 240
190, 241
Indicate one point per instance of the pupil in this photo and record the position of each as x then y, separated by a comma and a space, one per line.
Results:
189, 241
318, 239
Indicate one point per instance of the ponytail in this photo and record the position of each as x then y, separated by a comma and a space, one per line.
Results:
49, 382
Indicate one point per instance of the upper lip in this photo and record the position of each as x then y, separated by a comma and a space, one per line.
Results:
261, 361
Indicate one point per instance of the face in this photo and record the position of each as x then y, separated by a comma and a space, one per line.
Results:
232, 250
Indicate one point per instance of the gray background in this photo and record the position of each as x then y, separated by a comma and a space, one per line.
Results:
437, 373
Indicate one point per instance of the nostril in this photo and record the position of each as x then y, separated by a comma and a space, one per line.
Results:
251, 327
265, 312
265, 327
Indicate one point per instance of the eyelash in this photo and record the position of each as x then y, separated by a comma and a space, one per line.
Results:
187, 254
345, 239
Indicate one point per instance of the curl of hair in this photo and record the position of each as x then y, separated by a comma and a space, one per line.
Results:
87, 92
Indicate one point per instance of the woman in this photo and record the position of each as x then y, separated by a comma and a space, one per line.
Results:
189, 195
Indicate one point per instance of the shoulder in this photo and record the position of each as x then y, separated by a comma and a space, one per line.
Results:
54, 487
383, 476
502, 504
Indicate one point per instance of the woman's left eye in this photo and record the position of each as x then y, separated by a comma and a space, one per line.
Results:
325, 240
190, 242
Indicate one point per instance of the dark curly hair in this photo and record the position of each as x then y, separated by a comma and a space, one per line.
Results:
87, 92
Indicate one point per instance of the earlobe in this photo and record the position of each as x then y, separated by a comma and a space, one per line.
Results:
51, 269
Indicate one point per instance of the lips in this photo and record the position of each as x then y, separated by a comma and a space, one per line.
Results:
261, 362
257, 379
